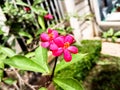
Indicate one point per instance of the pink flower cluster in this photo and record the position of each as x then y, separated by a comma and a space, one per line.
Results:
27, 9
48, 17
59, 44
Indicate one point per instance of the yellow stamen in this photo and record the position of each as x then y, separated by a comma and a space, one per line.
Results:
66, 45
50, 36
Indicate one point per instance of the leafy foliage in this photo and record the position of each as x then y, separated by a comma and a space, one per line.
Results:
76, 58
105, 76
9, 81
111, 34
41, 58
68, 83
9, 52
41, 22
22, 19
36, 64
4, 54
80, 69
24, 63
43, 88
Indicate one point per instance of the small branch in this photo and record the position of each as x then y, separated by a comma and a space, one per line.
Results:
19, 77
54, 67
21, 80
29, 85
16, 87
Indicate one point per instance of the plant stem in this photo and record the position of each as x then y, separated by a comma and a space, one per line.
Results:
54, 67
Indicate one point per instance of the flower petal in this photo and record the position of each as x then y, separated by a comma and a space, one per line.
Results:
69, 38
67, 56
48, 17
73, 49
45, 44
49, 30
53, 46
57, 52
55, 33
59, 41
44, 37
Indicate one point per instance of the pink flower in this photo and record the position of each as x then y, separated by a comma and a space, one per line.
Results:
48, 39
27, 9
48, 17
63, 43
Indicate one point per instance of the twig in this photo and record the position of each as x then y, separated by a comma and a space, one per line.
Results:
21, 80
32, 87
19, 77
16, 87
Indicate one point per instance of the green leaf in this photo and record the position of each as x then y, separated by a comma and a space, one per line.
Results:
61, 31
37, 2
114, 39
1, 65
39, 32
41, 58
68, 83
75, 59
104, 35
1, 75
42, 88
110, 32
69, 29
19, 2
38, 10
25, 34
30, 54
41, 22
24, 63
9, 81
2, 57
117, 34
1, 32
7, 51
29, 40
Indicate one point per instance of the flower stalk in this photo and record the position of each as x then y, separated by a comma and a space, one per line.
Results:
56, 58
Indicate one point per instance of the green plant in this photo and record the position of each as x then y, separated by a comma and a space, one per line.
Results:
4, 54
37, 61
105, 75
80, 70
111, 34
26, 21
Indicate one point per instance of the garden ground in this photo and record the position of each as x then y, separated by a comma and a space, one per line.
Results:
105, 75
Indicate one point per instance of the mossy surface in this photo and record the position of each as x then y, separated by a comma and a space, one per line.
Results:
81, 69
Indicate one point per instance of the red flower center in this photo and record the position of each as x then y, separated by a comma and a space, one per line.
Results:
66, 45
50, 36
